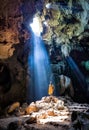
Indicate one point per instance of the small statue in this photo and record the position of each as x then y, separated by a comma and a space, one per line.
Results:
51, 88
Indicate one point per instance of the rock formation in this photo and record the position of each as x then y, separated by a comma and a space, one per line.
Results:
63, 22
48, 113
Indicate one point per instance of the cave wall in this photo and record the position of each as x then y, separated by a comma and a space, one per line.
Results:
66, 33
14, 49
67, 23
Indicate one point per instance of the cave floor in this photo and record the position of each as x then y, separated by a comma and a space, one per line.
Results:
55, 113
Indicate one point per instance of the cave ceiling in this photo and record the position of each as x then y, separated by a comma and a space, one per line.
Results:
62, 21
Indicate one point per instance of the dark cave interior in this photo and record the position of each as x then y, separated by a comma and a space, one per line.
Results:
44, 64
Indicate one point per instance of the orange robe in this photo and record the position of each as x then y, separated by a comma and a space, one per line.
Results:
51, 89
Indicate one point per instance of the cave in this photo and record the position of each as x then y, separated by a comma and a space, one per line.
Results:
44, 65
5, 80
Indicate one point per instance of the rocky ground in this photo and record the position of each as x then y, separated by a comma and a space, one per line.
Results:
48, 113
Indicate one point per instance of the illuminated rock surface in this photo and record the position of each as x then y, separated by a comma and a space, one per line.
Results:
50, 113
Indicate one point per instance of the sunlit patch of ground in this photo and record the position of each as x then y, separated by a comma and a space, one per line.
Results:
48, 113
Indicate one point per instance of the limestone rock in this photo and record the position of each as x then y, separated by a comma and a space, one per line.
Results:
31, 108
6, 51
9, 35
13, 107
51, 113
73, 116
42, 116
68, 20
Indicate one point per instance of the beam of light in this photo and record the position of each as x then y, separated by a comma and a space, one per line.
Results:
36, 28
80, 77
48, 5
39, 68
